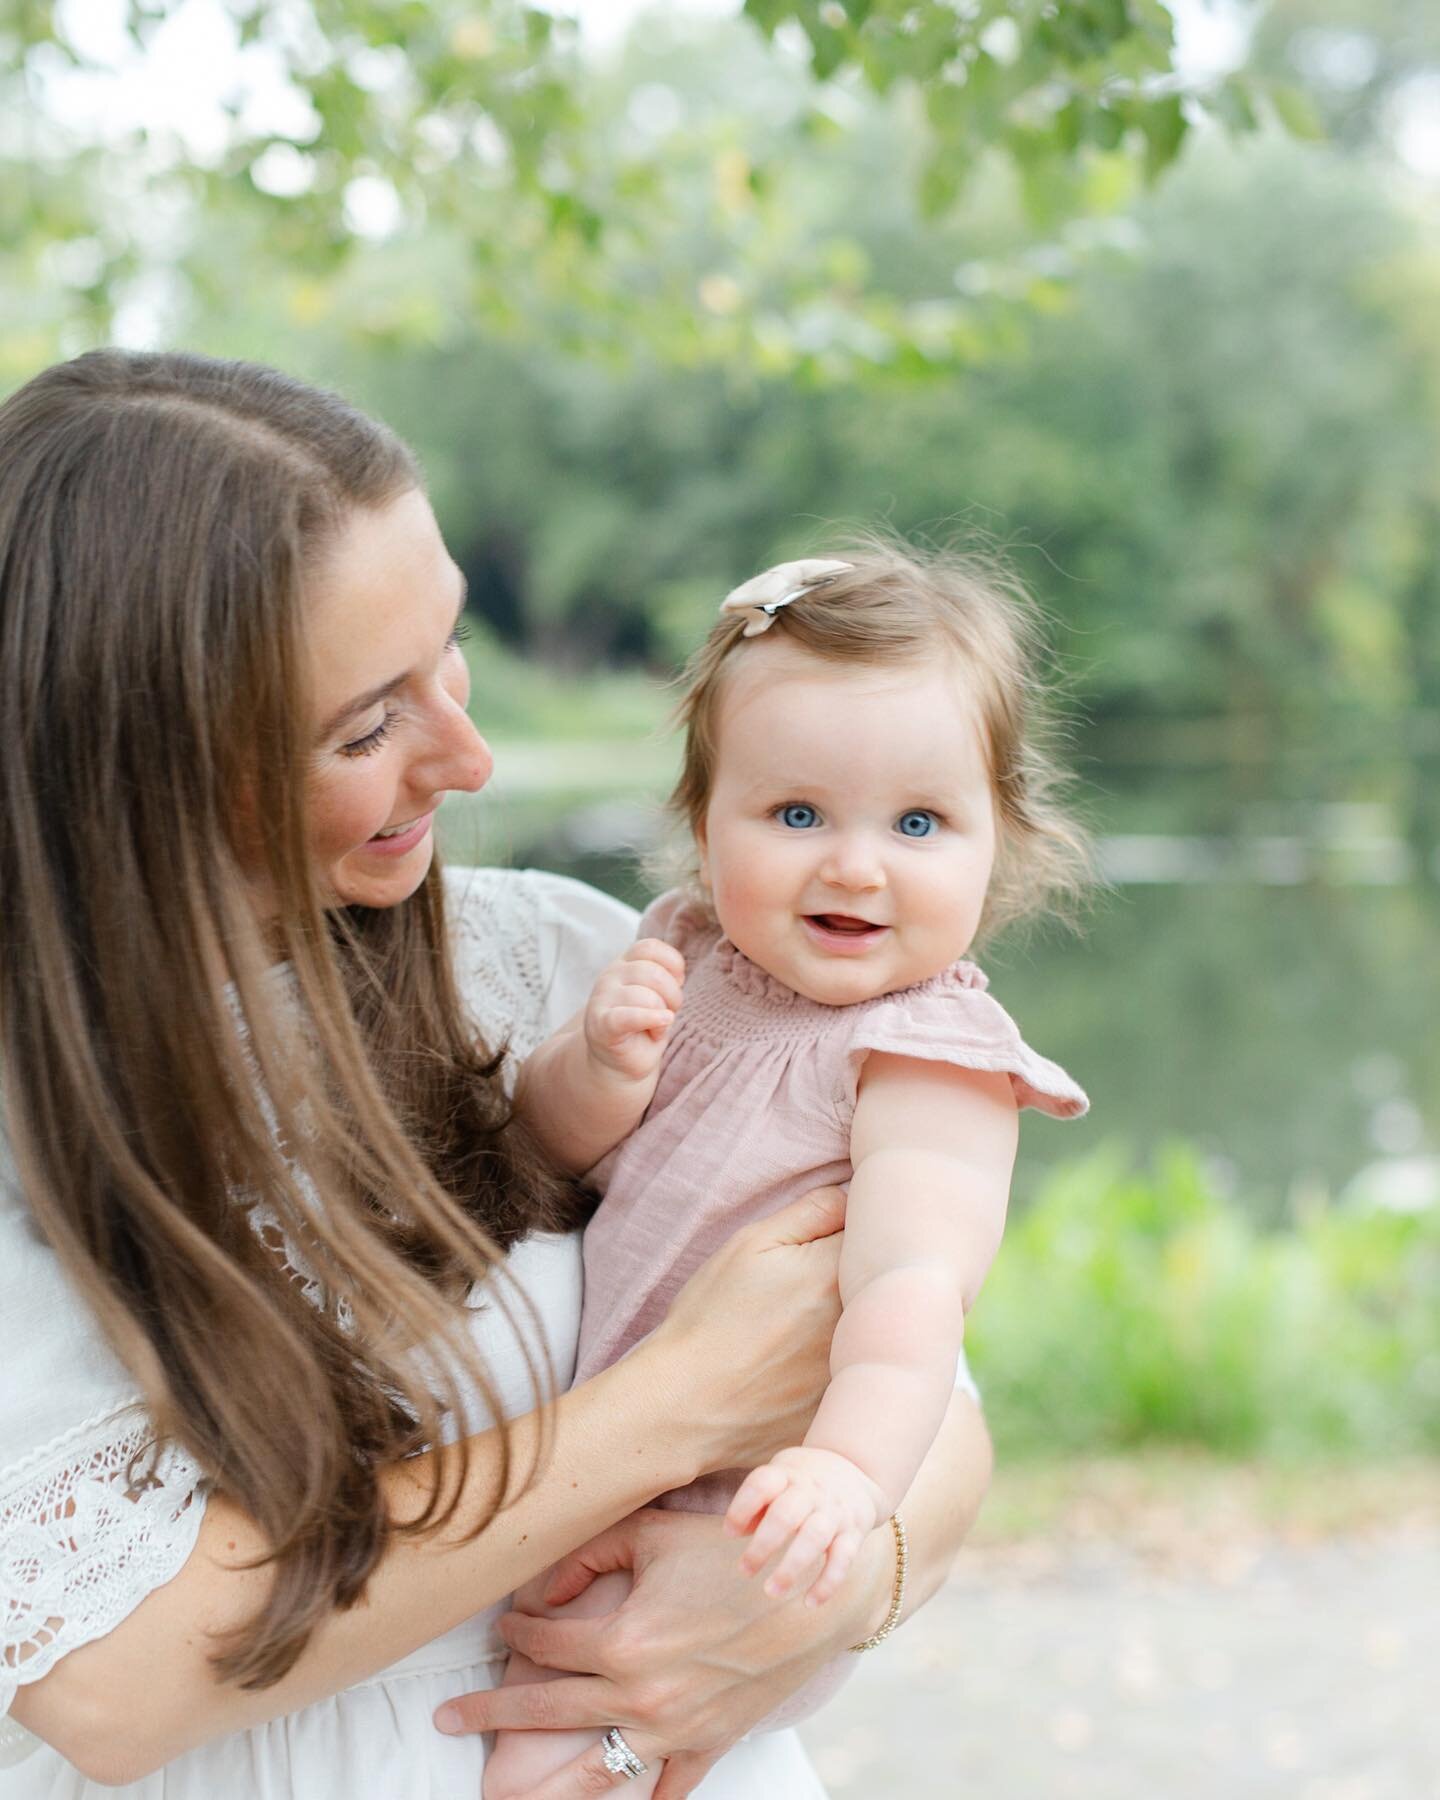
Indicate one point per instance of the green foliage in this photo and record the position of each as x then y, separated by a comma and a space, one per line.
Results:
1134, 1306
1354, 69
1247, 530
514, 698
1204, 417
571, 179
1038, 83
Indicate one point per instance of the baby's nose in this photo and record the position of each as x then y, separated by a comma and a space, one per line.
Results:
854, 865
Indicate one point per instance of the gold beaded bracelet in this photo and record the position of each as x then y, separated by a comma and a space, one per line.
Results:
897, 1593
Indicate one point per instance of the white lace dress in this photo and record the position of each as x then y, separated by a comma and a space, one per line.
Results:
78, 1552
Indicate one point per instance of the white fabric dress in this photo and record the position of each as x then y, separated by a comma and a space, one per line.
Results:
527, 947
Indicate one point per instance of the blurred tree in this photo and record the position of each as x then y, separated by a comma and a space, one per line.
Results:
1369, 67
568, 180
1216, 463
1213, 447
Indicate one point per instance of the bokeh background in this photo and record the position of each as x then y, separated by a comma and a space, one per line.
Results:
1148, 299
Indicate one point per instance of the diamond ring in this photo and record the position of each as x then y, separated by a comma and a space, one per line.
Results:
620, 1759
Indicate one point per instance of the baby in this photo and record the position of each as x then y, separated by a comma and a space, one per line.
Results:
863, 794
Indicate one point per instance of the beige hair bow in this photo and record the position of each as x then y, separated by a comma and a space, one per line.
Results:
762, 596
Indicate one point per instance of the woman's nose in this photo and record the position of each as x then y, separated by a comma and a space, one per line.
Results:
459, 759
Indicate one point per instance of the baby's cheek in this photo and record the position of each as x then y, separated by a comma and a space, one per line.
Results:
744, 880
727, 897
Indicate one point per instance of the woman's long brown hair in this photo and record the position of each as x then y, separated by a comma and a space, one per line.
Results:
159, 516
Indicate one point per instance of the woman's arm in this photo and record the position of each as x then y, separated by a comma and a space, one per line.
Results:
723, 1372
686, 1682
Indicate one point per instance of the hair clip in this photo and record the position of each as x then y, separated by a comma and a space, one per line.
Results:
762, 596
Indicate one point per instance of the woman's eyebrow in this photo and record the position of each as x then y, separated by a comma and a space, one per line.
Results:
373, 696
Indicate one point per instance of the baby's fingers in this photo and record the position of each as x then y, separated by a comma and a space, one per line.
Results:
629, 1021
647, 972
783, 1518
837, 1567
656, 950
755, 1493
645, 978
812, 1541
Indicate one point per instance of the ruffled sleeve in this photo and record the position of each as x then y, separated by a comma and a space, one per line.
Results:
91, 1520
953, 1019
678, 918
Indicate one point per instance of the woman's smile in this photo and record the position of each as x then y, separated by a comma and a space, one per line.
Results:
397, 840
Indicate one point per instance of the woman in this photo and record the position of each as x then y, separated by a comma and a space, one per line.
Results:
273, 1265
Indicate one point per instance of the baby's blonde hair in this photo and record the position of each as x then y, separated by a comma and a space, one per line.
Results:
895, 606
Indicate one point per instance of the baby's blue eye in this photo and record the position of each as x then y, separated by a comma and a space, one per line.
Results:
917, 824
798, 816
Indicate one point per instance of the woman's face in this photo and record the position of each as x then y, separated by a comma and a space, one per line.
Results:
391, 735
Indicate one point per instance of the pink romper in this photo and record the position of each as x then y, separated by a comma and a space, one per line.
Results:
753, 1109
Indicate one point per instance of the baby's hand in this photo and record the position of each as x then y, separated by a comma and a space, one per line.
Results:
632, 1007
819, 1502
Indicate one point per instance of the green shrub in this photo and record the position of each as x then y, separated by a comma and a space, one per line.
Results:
1132, 1307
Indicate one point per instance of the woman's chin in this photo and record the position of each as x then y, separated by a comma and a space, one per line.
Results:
377, 878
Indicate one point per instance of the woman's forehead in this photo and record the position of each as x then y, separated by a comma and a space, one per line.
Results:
375, 597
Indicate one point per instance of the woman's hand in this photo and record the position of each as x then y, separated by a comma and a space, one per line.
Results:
746, 1344
683, 1681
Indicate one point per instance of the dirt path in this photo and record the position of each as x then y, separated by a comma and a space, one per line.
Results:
1165, 1645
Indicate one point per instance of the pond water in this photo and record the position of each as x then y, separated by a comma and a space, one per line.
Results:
1261, 979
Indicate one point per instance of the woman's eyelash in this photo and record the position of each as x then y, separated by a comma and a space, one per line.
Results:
372, 740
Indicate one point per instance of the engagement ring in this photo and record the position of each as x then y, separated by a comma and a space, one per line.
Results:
620, 1759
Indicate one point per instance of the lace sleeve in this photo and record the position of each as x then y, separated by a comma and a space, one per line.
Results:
527, 946
92, 1516
89, 1525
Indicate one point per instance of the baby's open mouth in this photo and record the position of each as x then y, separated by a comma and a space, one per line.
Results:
844, 922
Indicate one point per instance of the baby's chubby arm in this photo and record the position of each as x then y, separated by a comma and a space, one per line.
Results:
932, 1148
588, 1086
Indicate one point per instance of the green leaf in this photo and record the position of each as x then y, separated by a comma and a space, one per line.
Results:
1164, 125
1110, 182
948, 107
939, 186
1296, 111
1109, 19
828, 49
1107, 128
1234, 106
1047, 187
768, 15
